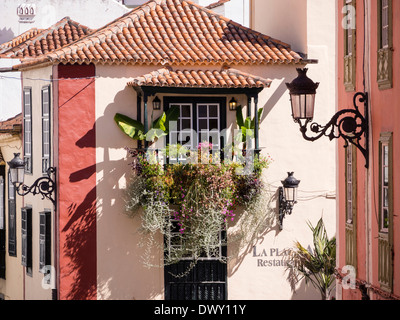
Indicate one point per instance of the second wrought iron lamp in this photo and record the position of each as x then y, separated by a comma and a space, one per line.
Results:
350, 124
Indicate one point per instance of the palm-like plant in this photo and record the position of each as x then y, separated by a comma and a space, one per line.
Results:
316, 266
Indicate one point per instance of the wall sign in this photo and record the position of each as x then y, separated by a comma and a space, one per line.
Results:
270, 257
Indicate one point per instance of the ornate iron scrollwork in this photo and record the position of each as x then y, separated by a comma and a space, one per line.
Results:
348, 124
44, 186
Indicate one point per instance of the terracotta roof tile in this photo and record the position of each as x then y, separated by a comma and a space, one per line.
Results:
19, 39
225, 78
13, 124
37, 42
172, 32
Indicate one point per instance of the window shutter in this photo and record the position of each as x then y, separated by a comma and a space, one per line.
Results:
28, 129
44, 240
12, 236
23, 237
26, 238
45, 128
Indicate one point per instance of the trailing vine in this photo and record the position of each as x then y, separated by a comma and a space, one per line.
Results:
192, 204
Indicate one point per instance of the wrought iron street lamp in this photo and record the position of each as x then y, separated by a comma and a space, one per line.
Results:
287, 197
45, 186
349, 124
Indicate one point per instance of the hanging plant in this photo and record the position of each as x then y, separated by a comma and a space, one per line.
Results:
190, 204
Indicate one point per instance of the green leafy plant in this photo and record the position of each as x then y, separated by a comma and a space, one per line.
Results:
246, 126
316, 266
159, 128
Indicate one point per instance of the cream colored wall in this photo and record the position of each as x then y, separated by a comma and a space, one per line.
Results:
309, 25
121, 274
12, 286
285, 20
314, 165
33, 284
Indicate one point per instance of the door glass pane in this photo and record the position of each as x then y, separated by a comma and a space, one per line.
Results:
202, 111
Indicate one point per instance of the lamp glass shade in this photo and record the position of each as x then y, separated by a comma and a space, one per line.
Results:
290, 185
303, 106
17, 169
291, 195
232, 104
302, 95
156, 103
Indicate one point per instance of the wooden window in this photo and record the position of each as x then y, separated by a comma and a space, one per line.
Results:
385, 43
45, 128
200, 119
12, 223
44, 240
385, 236
349, 44
2, 204
2, 229
351, 206
26, 239
28, 129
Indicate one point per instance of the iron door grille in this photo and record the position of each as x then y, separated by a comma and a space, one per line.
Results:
206, 281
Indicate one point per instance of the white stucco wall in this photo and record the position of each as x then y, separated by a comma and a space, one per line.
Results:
10, 90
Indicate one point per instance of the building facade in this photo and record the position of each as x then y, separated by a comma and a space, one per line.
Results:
368, 224
92, 250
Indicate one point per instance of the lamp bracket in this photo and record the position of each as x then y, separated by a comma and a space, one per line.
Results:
348, 124
44, 186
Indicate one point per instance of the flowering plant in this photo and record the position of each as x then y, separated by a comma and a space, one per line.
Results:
191, 202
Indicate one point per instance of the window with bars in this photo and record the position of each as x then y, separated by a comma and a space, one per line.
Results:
384, 25
385, 235
384, 189
385, 54
351, 206
12, 223
349, 44
46, 134
26, 239
27, 98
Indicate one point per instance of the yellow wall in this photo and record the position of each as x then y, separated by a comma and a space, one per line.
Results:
12, 286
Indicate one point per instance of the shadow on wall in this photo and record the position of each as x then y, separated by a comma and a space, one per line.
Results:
6, 35
305, 292
120, 271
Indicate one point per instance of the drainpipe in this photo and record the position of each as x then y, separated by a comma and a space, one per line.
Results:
368, 175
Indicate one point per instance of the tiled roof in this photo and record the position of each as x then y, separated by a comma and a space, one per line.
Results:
225, 78
11, 125
45, 41
172, 32
216, 4
19, 39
